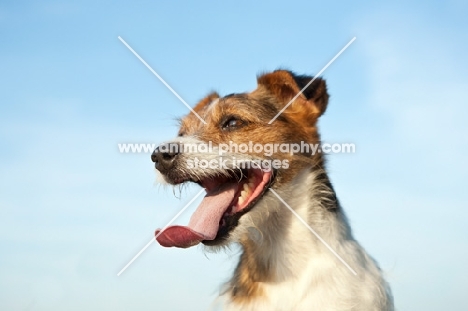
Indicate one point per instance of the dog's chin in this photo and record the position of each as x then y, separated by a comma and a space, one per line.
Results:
161, 179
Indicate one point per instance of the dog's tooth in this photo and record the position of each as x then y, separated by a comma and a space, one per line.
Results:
246, 188
245, 194
240, 200
251, 185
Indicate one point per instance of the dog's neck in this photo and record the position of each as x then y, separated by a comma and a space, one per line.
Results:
281, 241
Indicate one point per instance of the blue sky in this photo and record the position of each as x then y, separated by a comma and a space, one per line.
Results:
74, 211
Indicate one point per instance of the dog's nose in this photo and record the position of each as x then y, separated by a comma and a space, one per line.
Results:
164, 159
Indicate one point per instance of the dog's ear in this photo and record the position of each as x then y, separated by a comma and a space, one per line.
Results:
285, 85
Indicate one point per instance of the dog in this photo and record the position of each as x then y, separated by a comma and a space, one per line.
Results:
270, 210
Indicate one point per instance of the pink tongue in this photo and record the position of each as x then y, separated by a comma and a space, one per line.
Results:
204, 223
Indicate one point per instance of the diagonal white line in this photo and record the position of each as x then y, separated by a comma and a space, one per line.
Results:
136, 256
154, 239
316, 76
313, 232
161, 79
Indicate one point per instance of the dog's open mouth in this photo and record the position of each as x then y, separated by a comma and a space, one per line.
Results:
226, 200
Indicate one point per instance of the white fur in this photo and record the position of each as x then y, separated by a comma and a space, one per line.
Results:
307, 275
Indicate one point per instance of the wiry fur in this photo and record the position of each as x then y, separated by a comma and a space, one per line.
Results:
283, 266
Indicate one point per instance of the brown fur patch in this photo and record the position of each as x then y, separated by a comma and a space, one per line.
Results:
308, 106
249, 275
297, 123
187, 123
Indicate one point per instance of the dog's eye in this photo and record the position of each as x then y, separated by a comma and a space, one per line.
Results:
232, 123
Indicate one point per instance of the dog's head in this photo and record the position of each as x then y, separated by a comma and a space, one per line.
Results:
237, 153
